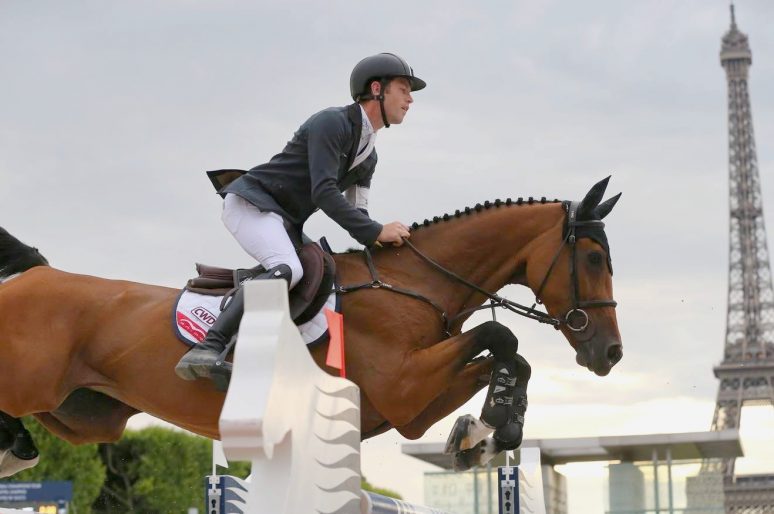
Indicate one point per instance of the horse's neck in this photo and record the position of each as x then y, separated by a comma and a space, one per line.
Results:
486, 247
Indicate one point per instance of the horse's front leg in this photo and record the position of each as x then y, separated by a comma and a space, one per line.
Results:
472, 378
402, 393
503, 414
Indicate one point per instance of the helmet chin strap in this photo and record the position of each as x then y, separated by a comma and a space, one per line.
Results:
380, 97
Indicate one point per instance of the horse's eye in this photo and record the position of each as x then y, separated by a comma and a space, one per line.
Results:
595, 258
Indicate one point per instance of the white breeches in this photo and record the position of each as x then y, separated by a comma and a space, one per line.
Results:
261, 234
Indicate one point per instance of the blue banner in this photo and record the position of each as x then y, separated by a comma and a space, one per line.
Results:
52, 490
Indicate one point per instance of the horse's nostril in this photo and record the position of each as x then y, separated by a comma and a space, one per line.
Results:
614, 353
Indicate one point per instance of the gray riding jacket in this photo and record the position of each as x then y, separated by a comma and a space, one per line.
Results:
312, 171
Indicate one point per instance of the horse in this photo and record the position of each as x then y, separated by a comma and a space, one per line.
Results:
83, 354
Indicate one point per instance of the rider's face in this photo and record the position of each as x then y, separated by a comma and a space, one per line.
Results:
397, 98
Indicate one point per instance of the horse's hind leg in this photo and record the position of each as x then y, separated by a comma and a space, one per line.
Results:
87, 416
17, 449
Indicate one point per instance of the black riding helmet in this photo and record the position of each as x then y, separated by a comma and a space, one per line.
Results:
382, 67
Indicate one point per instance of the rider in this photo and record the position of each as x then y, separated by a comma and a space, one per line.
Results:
330, 154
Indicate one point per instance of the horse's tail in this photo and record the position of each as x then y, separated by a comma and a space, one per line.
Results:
17, 257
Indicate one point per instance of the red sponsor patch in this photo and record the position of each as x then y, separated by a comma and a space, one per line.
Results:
187, 324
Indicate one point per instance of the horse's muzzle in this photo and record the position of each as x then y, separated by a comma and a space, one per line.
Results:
599, 356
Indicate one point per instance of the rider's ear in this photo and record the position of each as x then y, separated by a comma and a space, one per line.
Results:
592, 199
376, 88
605, 207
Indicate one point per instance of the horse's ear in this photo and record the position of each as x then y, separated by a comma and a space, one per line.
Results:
592, 199
605, 207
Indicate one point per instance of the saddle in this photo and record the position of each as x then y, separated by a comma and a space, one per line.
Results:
306, 299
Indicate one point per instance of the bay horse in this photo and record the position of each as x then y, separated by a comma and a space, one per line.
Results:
83, 354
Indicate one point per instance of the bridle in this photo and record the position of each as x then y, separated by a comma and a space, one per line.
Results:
578, 305
495, 300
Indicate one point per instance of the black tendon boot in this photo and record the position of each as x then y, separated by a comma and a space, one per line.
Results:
499, 398
509, 435
17, 449
208, 358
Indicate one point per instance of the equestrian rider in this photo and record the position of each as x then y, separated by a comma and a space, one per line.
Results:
330, 154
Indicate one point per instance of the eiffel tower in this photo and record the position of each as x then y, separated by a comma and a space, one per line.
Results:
746, 373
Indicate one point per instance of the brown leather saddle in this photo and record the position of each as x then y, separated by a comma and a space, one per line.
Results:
306, 299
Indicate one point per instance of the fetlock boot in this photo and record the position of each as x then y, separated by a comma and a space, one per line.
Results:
509, 436
9, 427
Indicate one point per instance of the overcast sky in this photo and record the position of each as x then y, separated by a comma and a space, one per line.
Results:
110, 113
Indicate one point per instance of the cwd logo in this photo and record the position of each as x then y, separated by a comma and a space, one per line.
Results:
204, 315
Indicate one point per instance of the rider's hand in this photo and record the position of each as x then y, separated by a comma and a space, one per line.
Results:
394, 233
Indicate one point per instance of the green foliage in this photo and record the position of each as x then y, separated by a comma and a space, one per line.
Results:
236, 469
158, 470
366, 486
60, 460
155, 470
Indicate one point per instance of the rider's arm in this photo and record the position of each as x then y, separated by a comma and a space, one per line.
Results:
328, 140
393, 232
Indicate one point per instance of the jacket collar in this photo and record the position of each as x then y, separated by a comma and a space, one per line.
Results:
355, 115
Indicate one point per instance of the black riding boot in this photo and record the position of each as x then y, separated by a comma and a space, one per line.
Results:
209, 356
200, 360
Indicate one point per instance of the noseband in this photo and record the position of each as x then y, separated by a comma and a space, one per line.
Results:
497, 301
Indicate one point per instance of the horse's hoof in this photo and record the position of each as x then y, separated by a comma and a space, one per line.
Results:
10, 464
479, 455
466, 433
459, 432
466, 459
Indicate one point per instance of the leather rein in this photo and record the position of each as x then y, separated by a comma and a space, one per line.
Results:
495, 300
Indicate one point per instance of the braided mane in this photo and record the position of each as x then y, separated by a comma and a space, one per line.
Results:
479, 207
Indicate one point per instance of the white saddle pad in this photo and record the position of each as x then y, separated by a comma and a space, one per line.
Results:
195, 313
